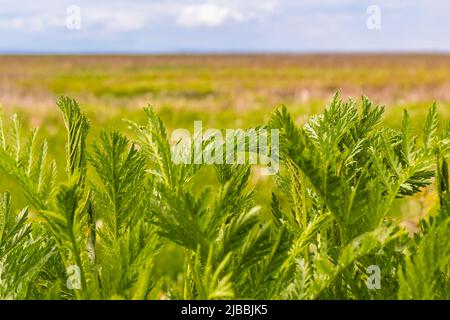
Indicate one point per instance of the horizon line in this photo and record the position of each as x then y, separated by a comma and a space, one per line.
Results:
224, 52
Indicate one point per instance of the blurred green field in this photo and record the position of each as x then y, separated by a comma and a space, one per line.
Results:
221, 91
235, 91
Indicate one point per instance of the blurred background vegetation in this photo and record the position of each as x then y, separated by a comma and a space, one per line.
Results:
223, 91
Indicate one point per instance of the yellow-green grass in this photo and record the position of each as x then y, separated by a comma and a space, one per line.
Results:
221, 91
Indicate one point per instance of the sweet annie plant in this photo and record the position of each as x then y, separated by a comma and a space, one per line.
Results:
330, 221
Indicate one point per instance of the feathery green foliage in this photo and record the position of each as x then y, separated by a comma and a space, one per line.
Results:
99, 231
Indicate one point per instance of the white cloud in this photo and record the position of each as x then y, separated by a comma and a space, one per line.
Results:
215, 14
29, 24
209, 15
119, 16
109, 20
94, 19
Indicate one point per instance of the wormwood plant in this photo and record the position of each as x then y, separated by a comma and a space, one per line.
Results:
96, 229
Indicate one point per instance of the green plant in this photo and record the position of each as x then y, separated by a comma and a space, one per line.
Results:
97, 231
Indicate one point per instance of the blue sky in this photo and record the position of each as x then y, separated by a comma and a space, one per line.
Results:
160, 26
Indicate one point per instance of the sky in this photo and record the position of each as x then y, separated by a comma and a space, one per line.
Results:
184, 26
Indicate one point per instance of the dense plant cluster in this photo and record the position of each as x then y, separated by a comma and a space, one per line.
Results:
96, 231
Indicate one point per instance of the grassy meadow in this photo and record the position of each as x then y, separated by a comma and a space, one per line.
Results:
223, 91
238, 91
